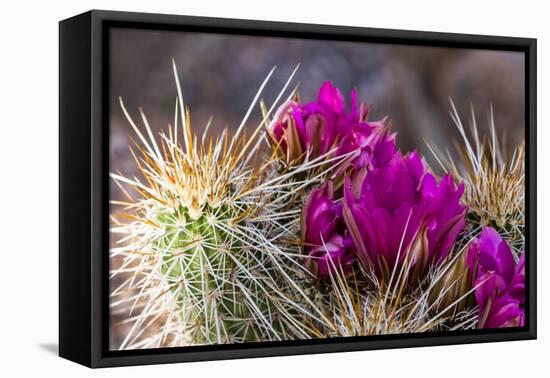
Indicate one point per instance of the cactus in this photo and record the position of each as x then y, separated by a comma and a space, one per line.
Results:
494, 180
207, 240
359, 304
216, 242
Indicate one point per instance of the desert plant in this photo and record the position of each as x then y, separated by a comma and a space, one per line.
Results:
206, 238
493, 174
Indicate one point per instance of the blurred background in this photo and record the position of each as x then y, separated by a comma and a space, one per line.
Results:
220, 75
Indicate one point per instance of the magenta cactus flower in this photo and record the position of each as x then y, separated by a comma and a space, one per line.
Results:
503, 311
315, 129
399, 209
327, 244
500, 281
372, 142
334, 255
517, 287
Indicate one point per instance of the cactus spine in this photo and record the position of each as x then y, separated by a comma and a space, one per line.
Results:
204, 240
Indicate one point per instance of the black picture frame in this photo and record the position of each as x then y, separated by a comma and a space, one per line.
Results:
83, 182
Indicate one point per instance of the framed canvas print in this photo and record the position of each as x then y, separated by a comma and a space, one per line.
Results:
234, 188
